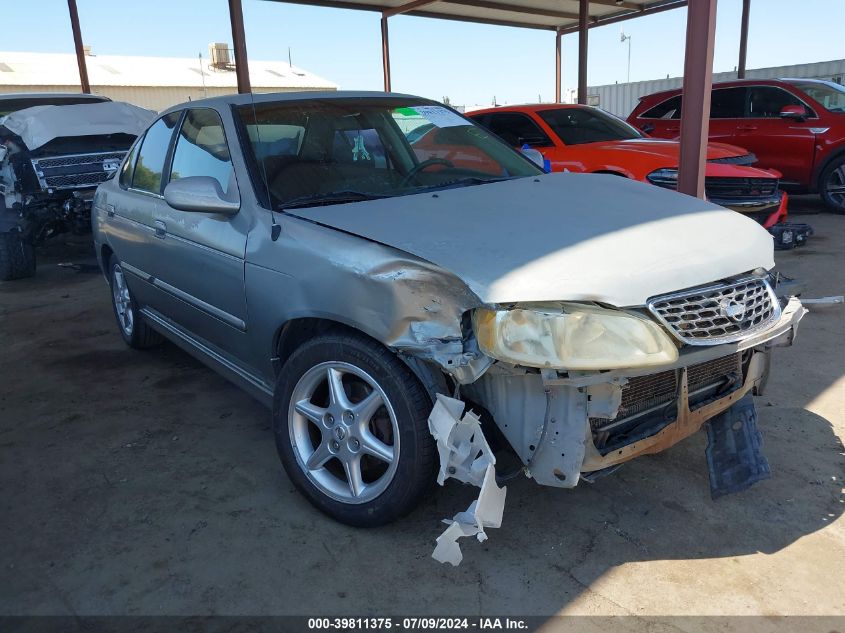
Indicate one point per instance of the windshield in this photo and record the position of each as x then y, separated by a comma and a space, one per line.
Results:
344, 150
575, 126
827, 93
7, 106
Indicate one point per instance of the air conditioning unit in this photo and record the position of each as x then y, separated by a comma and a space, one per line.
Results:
221, 55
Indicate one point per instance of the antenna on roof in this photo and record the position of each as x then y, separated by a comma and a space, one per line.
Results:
290, 63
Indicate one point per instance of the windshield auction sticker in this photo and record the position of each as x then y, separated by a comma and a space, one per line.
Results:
438, 115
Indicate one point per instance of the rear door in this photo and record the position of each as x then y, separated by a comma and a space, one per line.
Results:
727, 108
198, 261
662, 120
130, 212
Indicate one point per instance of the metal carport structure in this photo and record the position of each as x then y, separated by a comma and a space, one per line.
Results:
559, 16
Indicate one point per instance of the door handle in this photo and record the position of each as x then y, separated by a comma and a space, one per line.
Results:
746, 128
110, 210
161, 229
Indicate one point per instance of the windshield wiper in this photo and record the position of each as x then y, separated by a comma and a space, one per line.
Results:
466, 181
335, 197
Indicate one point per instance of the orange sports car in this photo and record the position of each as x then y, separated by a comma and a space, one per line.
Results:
580, 138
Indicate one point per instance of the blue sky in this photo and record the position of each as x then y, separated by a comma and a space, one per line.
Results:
469, 63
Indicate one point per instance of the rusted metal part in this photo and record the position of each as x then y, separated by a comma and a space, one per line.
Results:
583, 15
77, 43
687, 422
385, 53
743, 39
558, 38
698, 80
236, 17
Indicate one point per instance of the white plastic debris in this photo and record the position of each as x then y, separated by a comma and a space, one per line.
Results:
464, 452
466, 456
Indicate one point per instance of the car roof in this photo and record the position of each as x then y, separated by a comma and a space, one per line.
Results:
8, 96
270, 97
731, 84
531, 107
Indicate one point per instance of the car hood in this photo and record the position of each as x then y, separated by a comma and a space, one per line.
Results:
666, 149
38, 125
576, 237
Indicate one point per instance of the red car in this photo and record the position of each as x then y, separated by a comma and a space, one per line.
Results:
581, 138
796, 126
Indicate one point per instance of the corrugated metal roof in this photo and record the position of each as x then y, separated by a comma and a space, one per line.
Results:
537, 14
60, 69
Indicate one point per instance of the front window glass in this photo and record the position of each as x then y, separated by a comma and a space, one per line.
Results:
153, 152
830, 95
766, 102
343, 150
201, 149
576, 126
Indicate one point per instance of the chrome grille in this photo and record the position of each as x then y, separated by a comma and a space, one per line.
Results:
76, 171
721, 313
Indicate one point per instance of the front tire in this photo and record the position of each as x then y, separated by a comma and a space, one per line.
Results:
134, 331
832, 185
17, 257
350, 421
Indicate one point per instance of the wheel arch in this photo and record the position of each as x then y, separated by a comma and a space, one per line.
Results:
836, 154
294, 332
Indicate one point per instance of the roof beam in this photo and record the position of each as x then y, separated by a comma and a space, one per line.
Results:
404, 8
620, 4
513, 8
660, 7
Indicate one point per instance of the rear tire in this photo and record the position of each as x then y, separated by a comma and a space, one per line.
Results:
17, 257
832, 185
130, 323
351, 428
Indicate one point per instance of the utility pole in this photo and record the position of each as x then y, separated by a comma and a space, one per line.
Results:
622, 38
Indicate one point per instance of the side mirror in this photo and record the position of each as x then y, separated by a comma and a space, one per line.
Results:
202, 194
795, 112
534, 156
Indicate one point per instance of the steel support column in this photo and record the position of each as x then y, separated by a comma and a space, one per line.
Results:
236, 17
385, 53
583, 16
743, 39
80, 50
558, 38
698, 80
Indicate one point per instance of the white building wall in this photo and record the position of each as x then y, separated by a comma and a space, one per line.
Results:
621, 99
150, 97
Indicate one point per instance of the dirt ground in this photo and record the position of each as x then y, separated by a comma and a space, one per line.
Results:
143, 483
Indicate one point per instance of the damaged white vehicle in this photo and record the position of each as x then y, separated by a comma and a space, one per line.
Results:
413, 297
54, 151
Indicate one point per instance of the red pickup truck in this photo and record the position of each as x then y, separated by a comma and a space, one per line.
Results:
796, 126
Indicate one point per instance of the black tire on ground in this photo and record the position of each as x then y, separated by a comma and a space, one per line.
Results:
17, 257
138, 335
415, 469
832, 185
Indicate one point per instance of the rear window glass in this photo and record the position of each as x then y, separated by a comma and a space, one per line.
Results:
575, 126
153, 152
669, 109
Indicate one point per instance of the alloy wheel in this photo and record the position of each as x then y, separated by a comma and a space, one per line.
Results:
122, 302
344, 432
835, 186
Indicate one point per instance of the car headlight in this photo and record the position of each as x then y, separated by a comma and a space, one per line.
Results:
574, 337
667, 178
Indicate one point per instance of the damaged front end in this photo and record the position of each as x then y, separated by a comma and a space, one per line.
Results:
571, 424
